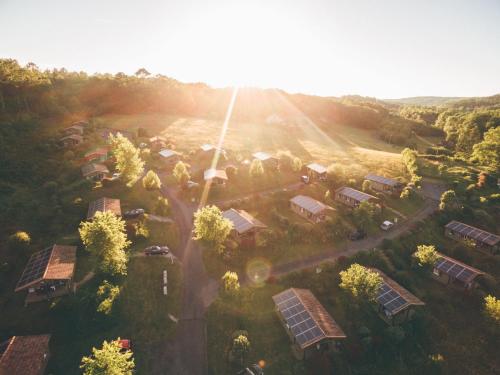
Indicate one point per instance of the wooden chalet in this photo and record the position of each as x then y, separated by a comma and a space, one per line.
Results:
384, 184
268, 161
450, 271
104, 133
309, 326
104, 205
157, 143
95, 171
482, 240
309, 208
169, 158
352, 197
316, 172
215, 176
24, 355
97, 155
245, 226
74, 129
71, 140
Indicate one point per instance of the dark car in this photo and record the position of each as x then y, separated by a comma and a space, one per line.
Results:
132, 214
156, 250
357, 235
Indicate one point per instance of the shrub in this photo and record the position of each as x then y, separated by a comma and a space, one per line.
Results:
162, 207
19, 240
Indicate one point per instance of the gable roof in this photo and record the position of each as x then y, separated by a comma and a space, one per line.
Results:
306, 318
357, 195
166, 153
24, 355
207, 147
92, 168
53, 263
242, 220
318, 168
262, 156
104, 205
309, 204
382, 180
457, 269
75, 126
75, 137
157, 138
473, 232
96, 151
213, 173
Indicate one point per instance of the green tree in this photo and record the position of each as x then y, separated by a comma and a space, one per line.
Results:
337, 175
181, 173
19, 240
364, 215
256, 168
105, 237
241, 346
407, 193
449, 201
367, 186
361, 282
107, 293
211, 227
492, 308
487, 152
296, 164
127, 156
162, 207
231, 283
151, 181
110, 360
426, 255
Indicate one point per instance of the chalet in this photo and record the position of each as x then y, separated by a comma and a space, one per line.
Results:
95, 172
316, 171
71, 140
450, 271
268, 161
384, 184
169, 158
307, 323
157, 143
96, 155
24, 355
482, 240
104, 205
245, 226
81, 123
309, 208
74, 129
208, 150
352, 197
106, 132
215, 176
395, 304
49, 273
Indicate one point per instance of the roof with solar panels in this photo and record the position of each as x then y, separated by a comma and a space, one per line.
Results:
306, 318
53, 263
104, 205
393, 296
456, 269
472, 232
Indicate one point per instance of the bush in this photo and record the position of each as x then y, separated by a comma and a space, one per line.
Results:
19, 240
162, 207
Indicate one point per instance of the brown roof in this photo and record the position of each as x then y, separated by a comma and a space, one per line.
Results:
76, 137
457, 269
157, 138
97, 151
24, 355
89, 169
104, 205
242, 220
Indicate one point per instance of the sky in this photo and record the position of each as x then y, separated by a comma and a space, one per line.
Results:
379, 48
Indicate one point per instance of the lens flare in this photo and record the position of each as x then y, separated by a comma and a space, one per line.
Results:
258, 271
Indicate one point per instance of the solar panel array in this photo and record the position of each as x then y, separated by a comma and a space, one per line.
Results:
35, 269
357, 195
381, 179
390, 299
454, 270
474, 233
298, 319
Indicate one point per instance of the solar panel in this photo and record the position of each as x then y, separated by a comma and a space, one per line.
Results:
474, 233
455, 269
35, 268
390, 298
464, 275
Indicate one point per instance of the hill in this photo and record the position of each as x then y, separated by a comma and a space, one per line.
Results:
426, 100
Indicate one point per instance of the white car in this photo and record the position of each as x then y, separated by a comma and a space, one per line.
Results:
386, 225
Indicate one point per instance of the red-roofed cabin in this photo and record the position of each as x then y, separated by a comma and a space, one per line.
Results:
125, 344
24, 355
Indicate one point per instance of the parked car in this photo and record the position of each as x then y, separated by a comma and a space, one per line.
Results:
132, 214
386, 225
156, 250
357, 235
305, 179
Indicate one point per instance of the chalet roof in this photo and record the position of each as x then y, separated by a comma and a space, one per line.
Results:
473, 232
167, 153
75, 137
89, 169
305, 317
357, 195
207, 147
457, 269
75, 126
26, 355
309, 204
242, 220
263, 156
382, 180
81, 123
97, 151
393, 296
106, 132
104, 205
157, 138
53, 263
215, 173
318, 168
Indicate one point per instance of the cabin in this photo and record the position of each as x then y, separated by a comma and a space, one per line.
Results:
395, 304
215, 176
24, 355
352, 197
245, 226
72, 140
482, 240
268, 161
98, 155
309, 326
157, 143
104, 133
169, 158
449, 271
309, 208
74, 129
384, 184
95, 171
316, 172
104, 205
49, 273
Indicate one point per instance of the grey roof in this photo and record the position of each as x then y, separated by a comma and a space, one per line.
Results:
355, 194
88, 169
212, 173
76, 137
242, 220
457, 269
166, 153
262, 156
207, 147
318, 168
309, 204
382, 180
474, 233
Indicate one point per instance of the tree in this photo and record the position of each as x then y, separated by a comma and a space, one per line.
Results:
426, 255
181, 173
487, 152
296, 164
127, 156
142, 73
231, 283
449, 201
241, 346
107, 294
336, 175
256, 168
367, 186
162, 207
492, 308
19, 240
360, 281
211, 227
364, 215
110, 360
105, 237
151, 181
